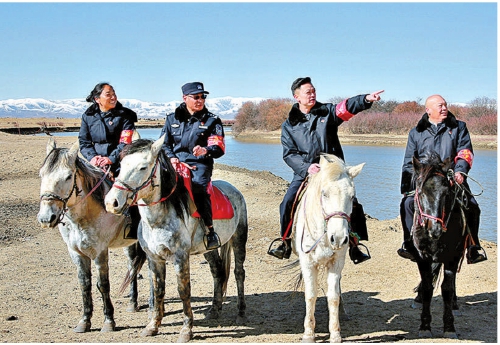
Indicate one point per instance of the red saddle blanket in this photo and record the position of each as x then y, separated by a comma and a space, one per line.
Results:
221, 206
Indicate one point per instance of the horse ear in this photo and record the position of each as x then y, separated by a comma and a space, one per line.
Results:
416, 164
73, 151
156, 147
355, 170
135, 135
51, 145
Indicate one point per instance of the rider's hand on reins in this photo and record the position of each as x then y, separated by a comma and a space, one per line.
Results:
459, 178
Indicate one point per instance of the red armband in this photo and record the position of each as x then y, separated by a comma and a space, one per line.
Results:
466, 155
342, 112
126, 136
217, 140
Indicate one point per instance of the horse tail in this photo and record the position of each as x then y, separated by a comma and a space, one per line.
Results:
225, 254
136, 266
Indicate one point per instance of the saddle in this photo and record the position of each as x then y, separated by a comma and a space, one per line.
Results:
221, 206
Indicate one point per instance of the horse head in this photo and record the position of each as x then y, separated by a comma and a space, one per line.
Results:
58, 183
139, 164
433, 197
334, 189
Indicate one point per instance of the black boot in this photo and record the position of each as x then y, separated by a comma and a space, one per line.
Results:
283, 251
474, 256
211, 239
130, 232
357, 256
405, 253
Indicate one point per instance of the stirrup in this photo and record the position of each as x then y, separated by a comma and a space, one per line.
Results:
279, 239
367, 253
481, 254
213, 246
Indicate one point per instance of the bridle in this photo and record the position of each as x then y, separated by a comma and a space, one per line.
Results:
74, 189
422, 216
326, 218
121, 185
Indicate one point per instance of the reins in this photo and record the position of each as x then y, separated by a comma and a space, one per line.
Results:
326, 218
65, 208
149, 181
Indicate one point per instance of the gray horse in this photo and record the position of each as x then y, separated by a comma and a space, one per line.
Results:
170, 232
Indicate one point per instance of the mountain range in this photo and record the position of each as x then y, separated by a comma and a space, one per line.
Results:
225, 107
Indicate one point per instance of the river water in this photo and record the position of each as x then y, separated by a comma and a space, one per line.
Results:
377, 186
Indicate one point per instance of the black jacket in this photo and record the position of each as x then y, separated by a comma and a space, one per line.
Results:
100, 132
303, 140
183, 132
451, 137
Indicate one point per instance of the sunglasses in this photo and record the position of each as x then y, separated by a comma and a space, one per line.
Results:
197, 97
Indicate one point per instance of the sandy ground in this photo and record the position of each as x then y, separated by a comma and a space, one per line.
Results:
40, 299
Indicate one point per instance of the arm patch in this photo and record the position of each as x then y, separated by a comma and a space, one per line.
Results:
342, 112
126, 136
466, 155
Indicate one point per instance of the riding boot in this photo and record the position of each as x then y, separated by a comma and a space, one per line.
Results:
405, 251
356, 255
130, 232
211, 239
283, 251
475, 253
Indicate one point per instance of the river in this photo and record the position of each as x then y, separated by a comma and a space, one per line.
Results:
377, 186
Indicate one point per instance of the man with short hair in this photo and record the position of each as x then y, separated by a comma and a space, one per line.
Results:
439, 131
311, 129
195, 136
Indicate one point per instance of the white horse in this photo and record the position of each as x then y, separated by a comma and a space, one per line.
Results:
170, 232
322, 236
71, 198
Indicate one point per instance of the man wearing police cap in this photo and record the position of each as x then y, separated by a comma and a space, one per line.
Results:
195, 136
311, 129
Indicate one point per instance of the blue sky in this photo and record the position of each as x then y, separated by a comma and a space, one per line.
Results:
148, 51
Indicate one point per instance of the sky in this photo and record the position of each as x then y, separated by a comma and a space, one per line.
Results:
147, 51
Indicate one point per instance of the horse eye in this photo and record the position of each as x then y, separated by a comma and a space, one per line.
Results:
143, 168
68, 177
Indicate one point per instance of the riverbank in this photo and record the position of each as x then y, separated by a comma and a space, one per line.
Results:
485, 142
40, 299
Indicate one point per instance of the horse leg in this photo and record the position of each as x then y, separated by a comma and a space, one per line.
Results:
85, 279
103, 286
158, 271
218, 274
182, 269
239, 250
131, 253
310, 276
448, 293
334, 300
426, 290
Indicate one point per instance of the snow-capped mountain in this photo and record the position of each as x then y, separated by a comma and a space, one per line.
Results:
225, 107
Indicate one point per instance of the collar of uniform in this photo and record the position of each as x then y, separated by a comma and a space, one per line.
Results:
424, 123
182, 114
296, 116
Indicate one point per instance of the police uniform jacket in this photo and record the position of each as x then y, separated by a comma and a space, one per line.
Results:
450, 138
304, 137
105, 134
184, 131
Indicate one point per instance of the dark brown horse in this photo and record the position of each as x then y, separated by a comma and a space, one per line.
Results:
439, 235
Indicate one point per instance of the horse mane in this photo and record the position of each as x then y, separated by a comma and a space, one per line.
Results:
430, 162
90, 175
168, 177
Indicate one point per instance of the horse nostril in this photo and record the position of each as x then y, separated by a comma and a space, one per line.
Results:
52, 219
332, 240
115, 203
346, 240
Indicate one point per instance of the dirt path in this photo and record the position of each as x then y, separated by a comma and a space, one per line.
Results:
40, 298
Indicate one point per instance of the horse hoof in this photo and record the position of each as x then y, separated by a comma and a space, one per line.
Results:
132, 308
185, 337
308, 339
82, 327
149, 332
108, 326
335, 338
425, 333
212, 314
450, 335
241, 320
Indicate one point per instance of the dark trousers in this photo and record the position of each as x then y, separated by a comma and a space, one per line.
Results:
407, 209
199, 182
358, 220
